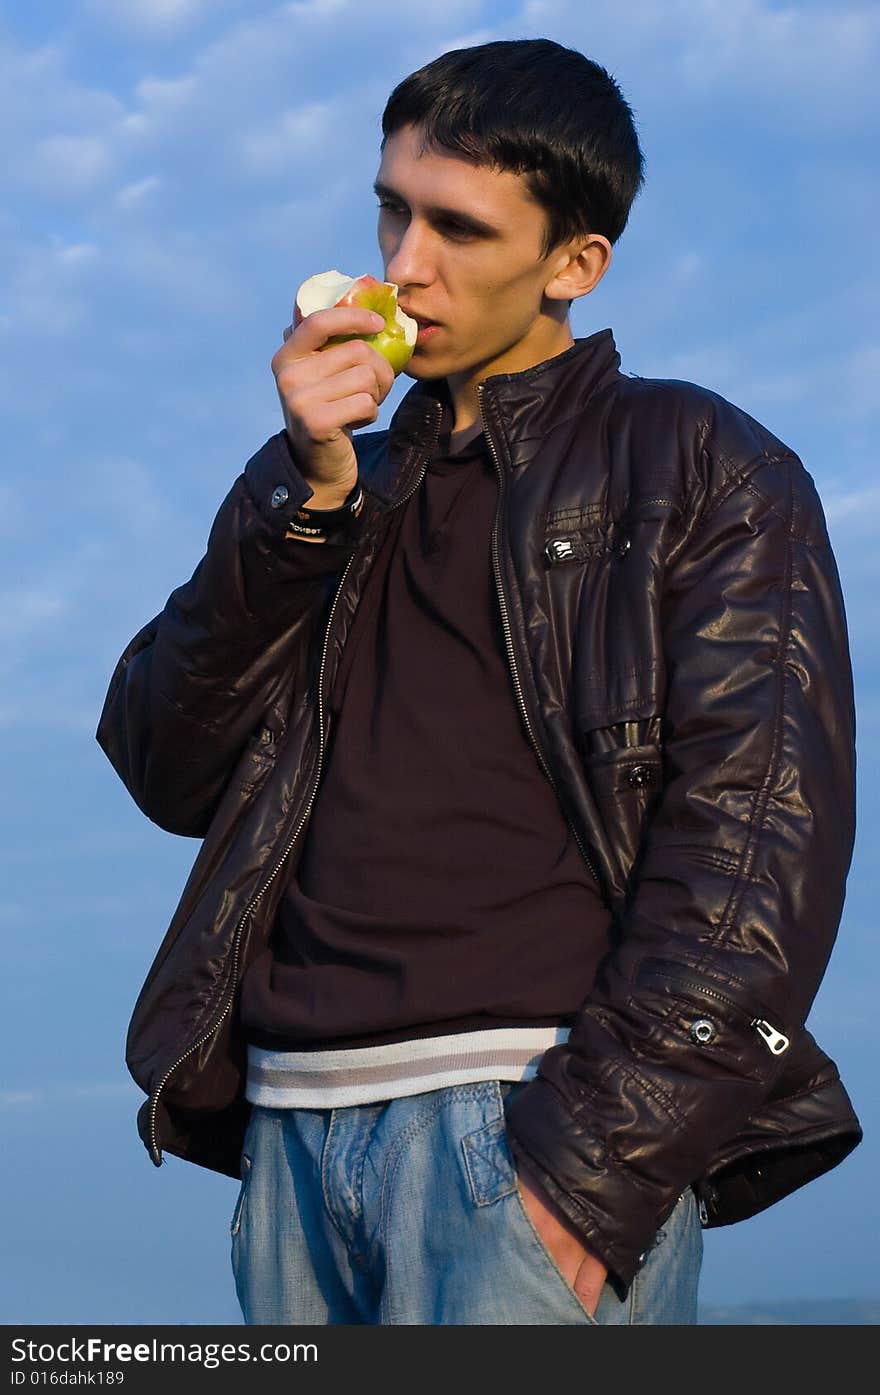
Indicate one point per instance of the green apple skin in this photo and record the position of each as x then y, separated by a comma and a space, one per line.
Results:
369, 294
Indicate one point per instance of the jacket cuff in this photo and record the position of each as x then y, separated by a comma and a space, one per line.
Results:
278, 490
275, 484
598, 1197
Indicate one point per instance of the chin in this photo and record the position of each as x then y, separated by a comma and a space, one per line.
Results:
422, 371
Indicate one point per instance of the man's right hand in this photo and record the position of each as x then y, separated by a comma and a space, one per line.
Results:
326, 392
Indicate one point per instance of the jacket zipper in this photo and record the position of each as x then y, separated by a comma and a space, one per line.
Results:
156, 1154
776, 1041
155, 1151
508, 637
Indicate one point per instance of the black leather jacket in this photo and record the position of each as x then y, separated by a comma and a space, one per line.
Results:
678, 652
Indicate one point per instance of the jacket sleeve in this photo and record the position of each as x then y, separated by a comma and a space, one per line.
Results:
193, 685
739, 891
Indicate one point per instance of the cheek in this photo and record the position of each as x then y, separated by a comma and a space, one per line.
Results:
511, 290
487, 300
502, 307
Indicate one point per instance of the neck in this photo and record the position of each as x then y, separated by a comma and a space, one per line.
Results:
547, 340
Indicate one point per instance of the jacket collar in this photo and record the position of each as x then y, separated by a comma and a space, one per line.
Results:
519, 410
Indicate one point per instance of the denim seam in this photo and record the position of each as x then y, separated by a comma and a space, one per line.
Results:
393, 1164
325, 1181
659, 1237
238, 1212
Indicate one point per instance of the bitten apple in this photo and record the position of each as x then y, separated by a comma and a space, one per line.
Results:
330, 288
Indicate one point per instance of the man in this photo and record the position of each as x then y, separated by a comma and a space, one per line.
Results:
521, 740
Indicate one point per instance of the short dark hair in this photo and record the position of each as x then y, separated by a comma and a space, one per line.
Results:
532, 107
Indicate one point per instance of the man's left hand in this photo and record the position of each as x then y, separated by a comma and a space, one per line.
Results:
583, 1271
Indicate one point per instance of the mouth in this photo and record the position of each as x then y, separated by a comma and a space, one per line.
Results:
421, 320
427, 328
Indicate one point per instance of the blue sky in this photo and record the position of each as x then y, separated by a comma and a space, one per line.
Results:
173, 169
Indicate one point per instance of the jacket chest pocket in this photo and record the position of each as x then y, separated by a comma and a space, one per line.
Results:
579, 536
623, 764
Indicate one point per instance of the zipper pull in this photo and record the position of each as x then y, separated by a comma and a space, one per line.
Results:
776, 1041
559, 550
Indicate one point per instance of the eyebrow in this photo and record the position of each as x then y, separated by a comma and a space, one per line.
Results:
435, 211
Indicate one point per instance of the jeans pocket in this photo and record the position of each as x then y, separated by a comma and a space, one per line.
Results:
492, 1177
235, 1223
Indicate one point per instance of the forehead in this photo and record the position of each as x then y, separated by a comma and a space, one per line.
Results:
432, 176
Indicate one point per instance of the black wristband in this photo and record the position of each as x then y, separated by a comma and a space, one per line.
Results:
322, 525
347, 511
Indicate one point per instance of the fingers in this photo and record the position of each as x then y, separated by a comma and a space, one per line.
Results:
314, 389
361, 378
316, 329
299, 375
304, 387
327, 419
582, 1270
589, 1281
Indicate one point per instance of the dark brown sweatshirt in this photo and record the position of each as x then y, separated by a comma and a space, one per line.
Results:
439, 889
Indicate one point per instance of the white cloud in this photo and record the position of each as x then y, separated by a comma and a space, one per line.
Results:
77, 845
165, 94
76, 253
49, 287
797, 65
318, 9
818, 52
35, 708
37, 92
859, 506
127, 494
860, 370
13, 511
163, 109
468, 40
689, 267
76, 163
54, 130
275, 148
93, 1092
25, 610
189, 272
150, 17
135, 195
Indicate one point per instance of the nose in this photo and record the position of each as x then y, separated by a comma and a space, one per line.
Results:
410, 261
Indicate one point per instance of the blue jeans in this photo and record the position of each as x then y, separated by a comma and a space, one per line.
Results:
408, 1211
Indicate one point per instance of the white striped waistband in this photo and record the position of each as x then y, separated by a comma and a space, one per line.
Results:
367, 1074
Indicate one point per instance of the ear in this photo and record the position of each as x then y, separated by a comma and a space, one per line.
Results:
579, 267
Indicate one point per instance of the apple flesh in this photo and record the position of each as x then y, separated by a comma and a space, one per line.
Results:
330, 288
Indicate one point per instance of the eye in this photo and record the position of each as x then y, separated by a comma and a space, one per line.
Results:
458, 231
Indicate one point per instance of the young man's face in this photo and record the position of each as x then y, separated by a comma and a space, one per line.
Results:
464, 244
